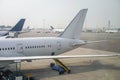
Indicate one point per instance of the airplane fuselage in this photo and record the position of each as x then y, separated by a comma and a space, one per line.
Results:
35, 46
41, 46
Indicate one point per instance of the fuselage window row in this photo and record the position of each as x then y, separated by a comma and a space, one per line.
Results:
28, 47
4, 49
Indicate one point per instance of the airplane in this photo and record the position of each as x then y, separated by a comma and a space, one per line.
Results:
26, 30
24, 49
56, 30
17, 28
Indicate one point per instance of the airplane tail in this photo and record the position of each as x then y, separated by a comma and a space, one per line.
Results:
74, 29
18, 26
51, 27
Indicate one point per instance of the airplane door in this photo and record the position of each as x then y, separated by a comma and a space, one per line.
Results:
19, 48
58, 45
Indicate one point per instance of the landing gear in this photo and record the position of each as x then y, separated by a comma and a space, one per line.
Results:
18, 66
60, 67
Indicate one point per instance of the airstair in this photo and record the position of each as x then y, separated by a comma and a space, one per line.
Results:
58, 62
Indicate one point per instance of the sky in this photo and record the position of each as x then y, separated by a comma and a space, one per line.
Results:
59, 13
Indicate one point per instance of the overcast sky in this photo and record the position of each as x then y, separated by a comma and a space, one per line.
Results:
59, 13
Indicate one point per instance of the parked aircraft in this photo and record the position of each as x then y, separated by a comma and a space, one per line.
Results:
17, 28
56, 30
23, 49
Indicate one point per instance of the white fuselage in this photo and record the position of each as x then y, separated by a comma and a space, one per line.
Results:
41, 46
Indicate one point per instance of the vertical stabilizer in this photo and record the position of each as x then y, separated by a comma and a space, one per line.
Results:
74, 29
18, 26
51, 28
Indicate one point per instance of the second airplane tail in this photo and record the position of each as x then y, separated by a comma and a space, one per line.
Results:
51, 27
18, 26
74, 29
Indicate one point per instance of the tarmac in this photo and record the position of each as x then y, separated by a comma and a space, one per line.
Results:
81, 68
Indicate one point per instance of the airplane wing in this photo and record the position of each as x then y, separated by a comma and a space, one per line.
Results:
53, 57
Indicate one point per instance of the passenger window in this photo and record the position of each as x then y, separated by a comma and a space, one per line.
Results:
5, 48
14, 48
